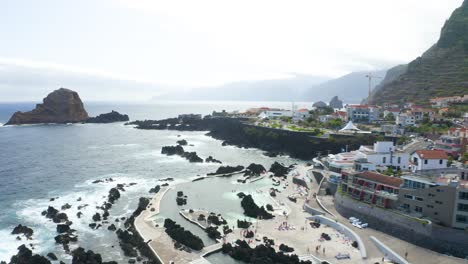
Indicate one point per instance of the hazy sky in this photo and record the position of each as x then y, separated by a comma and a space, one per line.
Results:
135, 48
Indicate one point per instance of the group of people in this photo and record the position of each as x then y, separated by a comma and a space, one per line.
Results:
285, 226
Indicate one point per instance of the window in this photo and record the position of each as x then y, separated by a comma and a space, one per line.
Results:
384, 159
425, 161
430, 206
461, 219
407, 196
463, 195
436, 213
418, 209
440, 161
399, 160
419, 199
438, 202
462, 207
406, 206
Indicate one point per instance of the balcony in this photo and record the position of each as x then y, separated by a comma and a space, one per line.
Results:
388, 195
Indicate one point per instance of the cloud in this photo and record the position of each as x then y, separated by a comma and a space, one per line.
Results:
22, 80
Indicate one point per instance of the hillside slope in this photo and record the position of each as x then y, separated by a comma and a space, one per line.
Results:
440, 71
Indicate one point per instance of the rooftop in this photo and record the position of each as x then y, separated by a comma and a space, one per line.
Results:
432, 154
380, 178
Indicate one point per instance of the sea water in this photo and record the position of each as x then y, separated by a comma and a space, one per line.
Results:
40, 162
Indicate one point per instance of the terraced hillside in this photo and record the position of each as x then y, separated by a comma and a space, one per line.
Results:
440, 71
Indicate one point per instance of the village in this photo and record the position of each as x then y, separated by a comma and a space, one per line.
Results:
400, 200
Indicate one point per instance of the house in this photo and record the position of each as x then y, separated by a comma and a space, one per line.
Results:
454, 142
362, 113
271, 114
419, 113
428, 160
405, 120
325, 118
381, 155
445, 101
385, 154
301, 114
371, 187
340, 115
394, 111
408, 105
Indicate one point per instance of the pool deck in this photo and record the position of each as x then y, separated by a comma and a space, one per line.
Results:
297, 233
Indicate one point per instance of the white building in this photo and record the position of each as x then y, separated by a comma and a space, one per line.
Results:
429, 160
275, 114
405, 120
301, 114
325, 118
384, 153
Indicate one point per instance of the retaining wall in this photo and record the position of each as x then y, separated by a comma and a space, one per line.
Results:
444, 240
389, 253
345, 230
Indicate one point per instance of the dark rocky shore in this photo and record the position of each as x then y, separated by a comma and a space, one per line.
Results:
111, 117
239, 133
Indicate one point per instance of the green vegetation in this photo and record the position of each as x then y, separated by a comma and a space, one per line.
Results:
390, 117
403, 140
456, 111
440, 71
464, 158
430, 128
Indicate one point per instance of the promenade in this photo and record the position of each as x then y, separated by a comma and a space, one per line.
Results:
416, 254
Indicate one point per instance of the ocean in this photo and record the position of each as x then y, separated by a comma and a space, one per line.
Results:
40, 162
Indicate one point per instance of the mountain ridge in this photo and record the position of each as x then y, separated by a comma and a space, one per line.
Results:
440, 71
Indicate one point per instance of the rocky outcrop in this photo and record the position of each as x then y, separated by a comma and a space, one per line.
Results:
251, 209
336, 103
181, 198
60, 106
254, 170
111, 117
25, 256
21, 229
182, 236
278, 169
242, 251
212, 160
81, 256
319, 104
179, 150
227, 170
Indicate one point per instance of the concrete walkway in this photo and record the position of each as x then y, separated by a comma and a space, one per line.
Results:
416, 254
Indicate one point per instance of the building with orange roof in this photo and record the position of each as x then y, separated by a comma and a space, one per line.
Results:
371, 187
428, 160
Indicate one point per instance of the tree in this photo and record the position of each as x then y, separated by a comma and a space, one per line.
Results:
390, 117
